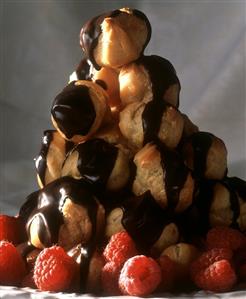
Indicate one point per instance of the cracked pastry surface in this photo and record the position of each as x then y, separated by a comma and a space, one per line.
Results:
147, 78
115, 38
162, 172
144, 122
206, 155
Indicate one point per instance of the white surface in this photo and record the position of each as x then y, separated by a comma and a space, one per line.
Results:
26, 293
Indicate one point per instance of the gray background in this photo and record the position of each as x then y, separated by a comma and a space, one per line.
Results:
205, 40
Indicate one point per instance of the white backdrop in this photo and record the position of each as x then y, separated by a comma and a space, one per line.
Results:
205, 41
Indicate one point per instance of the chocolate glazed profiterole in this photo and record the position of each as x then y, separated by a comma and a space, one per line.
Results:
206, 155
79, 110
102, 164
49, 162
151, 116
115, 38
148, 78
162, 172
64, 212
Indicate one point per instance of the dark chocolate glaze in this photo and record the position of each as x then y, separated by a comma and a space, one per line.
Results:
96, 161
195, 220
162, 76
73, 110
144, 220
237, 188
41, 159
201, 143
84, 70
175, 174
46, 205
151, 119
161, 72
91, 31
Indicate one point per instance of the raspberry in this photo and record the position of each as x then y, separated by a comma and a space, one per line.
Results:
54, 269
218, 277
12, 266
120, 248
10, 229
168, 271
139, 276
225, 237
28, 281
110, 276
208, 258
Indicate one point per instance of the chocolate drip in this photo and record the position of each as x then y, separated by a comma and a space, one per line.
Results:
41, 159
84, 70
239, 186
45, 205
96, 161
162, 76
161, 72
73, 110
175, 174
144, 220
201, 143
151, 119
235, 186
91, 31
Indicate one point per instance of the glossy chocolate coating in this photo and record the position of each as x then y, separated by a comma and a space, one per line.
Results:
41, 159
46, 205
73, 110
144, 220
96, 160
175, 176
162, 76
91, 31
201, 143
161, 72
84, 70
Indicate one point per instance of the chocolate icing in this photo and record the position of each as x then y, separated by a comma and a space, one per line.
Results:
175, 174
46, 205
84, 70
144, 220
73, 110
41, 159
161, 72
91, 31
151, 119
162, 76
96, 161
201, 143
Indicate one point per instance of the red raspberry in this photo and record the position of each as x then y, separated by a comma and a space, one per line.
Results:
12, 266
28, 281
10, 229
208, 258
168, 271
120, 248
54, 269
139, 276
225, 237
110, 276
218, 277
